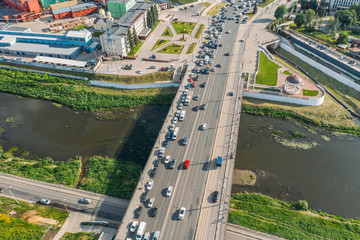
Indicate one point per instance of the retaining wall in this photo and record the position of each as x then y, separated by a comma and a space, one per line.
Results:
132, 86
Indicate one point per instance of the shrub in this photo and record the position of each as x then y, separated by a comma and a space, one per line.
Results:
302, 205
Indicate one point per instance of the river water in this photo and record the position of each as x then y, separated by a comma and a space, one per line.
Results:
327, 176
47, 130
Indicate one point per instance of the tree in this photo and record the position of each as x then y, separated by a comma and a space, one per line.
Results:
302, 205
318, 23
346, 18
343, 38
332, 26
280, 11
309, 16
130, 39
154, 13
356, 8
148, 19
135, 37
300, 19
255, 8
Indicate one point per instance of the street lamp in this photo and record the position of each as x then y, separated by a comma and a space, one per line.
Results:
13, 195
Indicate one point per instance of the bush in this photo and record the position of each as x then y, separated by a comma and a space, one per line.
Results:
302, 205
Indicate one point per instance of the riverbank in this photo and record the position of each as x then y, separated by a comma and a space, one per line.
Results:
77, 93
100, 174
288, 220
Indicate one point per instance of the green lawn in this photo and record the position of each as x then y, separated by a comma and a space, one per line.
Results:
81, 236
352, 33
172, 49
318, 35
286, 72
216, 8
250, 15
157, 23
267, 74
97, 34
199, 31
136, 49
167, 33
191, 48
265, 3
159, 43
310, 93
280, 218
183, 27
183, 1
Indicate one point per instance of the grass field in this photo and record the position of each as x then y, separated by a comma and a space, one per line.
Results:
145, 78
265, 3
191, 48
183, 27
199, 31
157, 23
250, 14
167, 33
216, 8
321, 36
159, 43
286, 72
172, 49
29, 220
136, 49
310, 93
267, 74
346, 94
281, 219
183, 1
81, 236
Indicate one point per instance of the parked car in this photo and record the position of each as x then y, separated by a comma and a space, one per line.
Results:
180, 106
196, 108
151, 202
203, 107
162, 151
167, 159
196, 98
45, 201
85, 200
138, 211
133, 226
1, 190
153, 172
172, 163
156, 163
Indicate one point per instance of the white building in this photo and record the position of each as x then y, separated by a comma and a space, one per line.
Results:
341, 4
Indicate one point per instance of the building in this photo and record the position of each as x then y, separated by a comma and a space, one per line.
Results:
309, 4
25, 10
104, 21
21, 41
75, 11
118, 8
46, 3
65, 4
115, 41
342, 4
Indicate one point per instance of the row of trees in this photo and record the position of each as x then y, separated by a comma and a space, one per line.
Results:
152, 17
132, 38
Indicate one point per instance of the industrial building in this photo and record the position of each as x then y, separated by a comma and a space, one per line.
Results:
21, 41
115, 41
24, 10
46, 3
342, 4
118, 8
75, 11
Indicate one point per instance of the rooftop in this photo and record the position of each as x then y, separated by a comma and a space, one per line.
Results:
41, 48
78, 34
130, 16
74, 8
61, 61
65, 4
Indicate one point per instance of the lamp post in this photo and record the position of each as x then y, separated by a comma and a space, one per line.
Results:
13, 195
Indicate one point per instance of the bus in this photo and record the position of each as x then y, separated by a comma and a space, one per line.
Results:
219, 161
175, 133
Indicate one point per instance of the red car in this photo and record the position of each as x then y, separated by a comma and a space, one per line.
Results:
186, 164
190, 80
193, 84
162, 69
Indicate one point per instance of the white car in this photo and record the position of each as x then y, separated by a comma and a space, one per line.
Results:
180, 106
167, 159
151, 202
133, 226
174, 121
177, 114
149, 185
169, 191
172, 127
182, 213
186, 92
203, 127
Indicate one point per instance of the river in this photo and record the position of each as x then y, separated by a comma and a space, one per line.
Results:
47, 130
326, 175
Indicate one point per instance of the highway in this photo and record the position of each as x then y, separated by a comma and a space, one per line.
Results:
101, 208
189, 185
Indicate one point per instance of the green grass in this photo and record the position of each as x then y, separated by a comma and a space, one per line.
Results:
191, 48
216, 8
250, 15
317, 35
246, 77
346, 94
199, 31
268, 89
136, 49
279, 218
16, 227
172, 49
286, 72
81, 236
97, 34
167, 33
265, 3
111, 177
267, 74
159, 43
183, 1
184, 27
310, 93
156, 24
353, 33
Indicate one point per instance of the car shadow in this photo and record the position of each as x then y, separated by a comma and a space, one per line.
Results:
175, 215
163, 192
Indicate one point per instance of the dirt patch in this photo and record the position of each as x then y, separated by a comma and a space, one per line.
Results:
31, 217
244, 177
84, 161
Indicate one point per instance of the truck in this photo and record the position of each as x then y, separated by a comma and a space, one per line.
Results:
207, 58
219, 161
188, 99
141, 230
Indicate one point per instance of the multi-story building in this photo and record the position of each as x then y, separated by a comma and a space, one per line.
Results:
75, 11
342, 4
46, 3
28, 10
118, 8
104, 21
21, 41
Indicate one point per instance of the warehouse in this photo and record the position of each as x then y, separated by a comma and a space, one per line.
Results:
75, 11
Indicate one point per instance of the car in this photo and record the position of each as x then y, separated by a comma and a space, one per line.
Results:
186, 164
167, 159
169, 191
218, 65
203, 85
180, 106
203, 107
174, 120
203, 126
138, 211
151, 202
153, 56
45, 201
185, 141
213, 69
185, 94
231, 93
156, 162
181, 213
193, 84
172, 127
133, 226
172, 163
190, 80
1, 190
144, 196
161, 151
215, 196
153, 212
153, 172
85, 200
187, 86
227, 54
146, 236
165, 143
196, 98
242, 40
211, 61
196, 108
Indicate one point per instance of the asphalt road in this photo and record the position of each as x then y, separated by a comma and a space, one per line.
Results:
189, 184
101, 208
